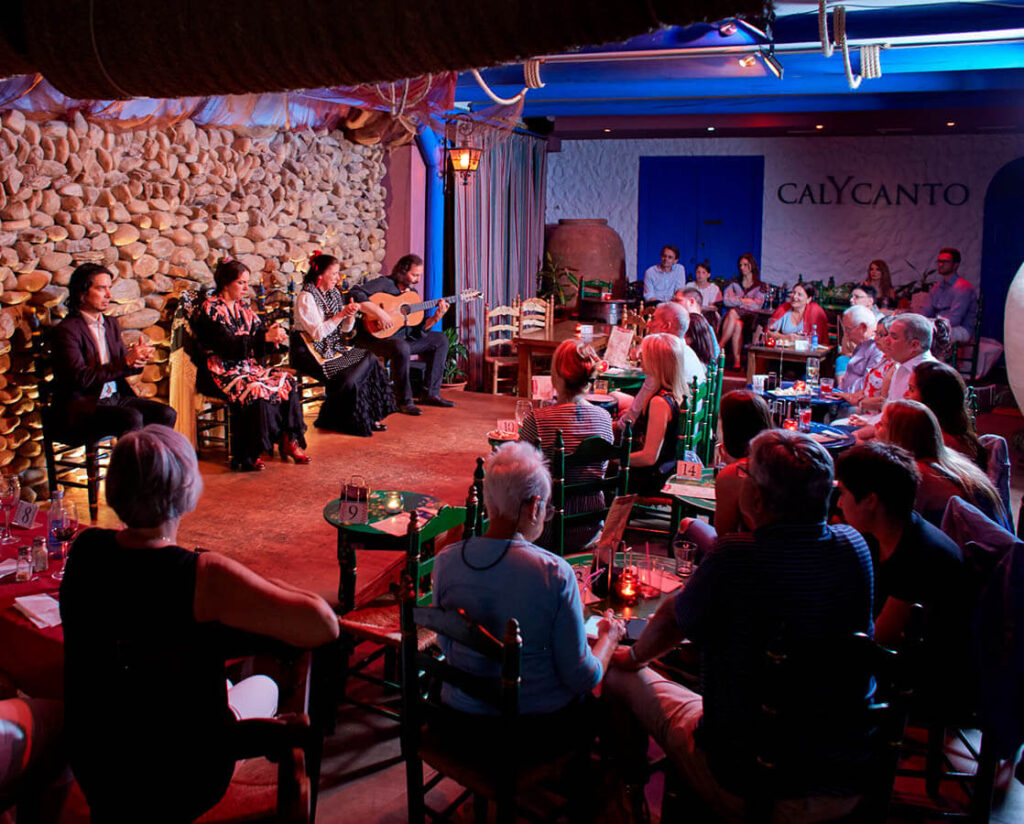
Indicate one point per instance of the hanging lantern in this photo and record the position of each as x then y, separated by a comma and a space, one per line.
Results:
465, 160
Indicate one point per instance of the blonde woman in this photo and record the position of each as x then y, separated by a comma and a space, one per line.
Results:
657, 430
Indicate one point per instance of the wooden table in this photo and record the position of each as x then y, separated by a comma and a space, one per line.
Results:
544, 343
762, 359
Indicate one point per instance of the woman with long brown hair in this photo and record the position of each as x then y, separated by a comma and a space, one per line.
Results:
743, 297
944, 472
941, 388
879, 279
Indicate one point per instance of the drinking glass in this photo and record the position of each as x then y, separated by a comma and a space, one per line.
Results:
10, 491
813, 370
686, 558
523, 408
63, 529
827, 385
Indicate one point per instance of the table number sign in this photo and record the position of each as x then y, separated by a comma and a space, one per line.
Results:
507, 427
24, 515
617, 351
690, 467
353, 506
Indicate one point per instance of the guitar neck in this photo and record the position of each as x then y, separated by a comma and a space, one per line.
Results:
430, 304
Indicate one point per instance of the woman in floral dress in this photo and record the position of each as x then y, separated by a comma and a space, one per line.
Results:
266, 405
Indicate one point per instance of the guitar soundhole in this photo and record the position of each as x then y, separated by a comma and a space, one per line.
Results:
404, 309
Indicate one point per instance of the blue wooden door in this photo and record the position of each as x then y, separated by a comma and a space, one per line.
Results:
1003, 244
710, 207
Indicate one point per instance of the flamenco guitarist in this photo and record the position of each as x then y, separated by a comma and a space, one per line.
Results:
416, 340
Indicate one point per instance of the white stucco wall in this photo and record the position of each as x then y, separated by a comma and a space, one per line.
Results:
599, 178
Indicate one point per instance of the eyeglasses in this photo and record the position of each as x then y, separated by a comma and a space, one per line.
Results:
549, 511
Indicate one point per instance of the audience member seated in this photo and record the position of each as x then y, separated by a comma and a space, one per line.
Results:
944, 472
671, 319
358, 394
915, 563
743, 298
148, 707
795, 580
573, 367
953, 297
909, 343
91, 397
700, 337
503, 575
743, 415
800, 317
662, 280
864, 295
870, 398
880, 280
33, 762
710, 293
266, 405
656, 433
942, 389
859, 326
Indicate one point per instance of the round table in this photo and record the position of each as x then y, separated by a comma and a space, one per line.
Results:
606, 402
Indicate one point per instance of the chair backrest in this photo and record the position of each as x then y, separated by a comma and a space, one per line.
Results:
790, 732
590, 451
967, 363
536, 315
502, 327
998, 468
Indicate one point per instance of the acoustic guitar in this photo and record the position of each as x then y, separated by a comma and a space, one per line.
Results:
407, 309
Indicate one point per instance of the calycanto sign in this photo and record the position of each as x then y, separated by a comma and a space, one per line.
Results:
834, 191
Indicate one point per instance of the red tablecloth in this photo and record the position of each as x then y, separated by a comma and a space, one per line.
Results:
32, 657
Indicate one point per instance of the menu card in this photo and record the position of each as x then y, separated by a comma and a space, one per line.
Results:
619, 341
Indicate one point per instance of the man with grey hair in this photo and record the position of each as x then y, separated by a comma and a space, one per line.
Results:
503, 574
859, 324
672, 319
794, 579
910, 343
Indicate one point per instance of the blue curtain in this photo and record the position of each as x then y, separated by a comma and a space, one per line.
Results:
499, 233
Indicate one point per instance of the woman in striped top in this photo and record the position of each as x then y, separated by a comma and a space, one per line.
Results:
572, 368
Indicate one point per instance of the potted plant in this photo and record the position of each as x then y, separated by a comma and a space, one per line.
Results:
454, 376
557, 279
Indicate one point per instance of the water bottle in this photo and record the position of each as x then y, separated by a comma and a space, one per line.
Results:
40, 560
814, 340
54, 522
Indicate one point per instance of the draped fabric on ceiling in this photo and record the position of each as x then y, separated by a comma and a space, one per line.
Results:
422, 99
499, 233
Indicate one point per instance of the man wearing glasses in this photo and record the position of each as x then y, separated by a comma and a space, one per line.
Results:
953, 297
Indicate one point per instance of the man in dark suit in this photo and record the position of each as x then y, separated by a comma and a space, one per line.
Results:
417, 340
91, 397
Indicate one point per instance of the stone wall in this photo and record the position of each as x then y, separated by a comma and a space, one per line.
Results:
160, 207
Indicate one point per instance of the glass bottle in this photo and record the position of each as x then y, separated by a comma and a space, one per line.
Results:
40, 558
23, 572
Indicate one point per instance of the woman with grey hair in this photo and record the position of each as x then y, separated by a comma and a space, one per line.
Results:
503, 575
148, 709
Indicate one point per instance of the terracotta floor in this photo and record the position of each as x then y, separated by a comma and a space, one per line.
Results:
273, 522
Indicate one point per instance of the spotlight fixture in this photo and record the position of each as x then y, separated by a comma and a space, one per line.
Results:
819, 126
772, 64
951, 123
711, 128
727, 28
607, 130
747, 61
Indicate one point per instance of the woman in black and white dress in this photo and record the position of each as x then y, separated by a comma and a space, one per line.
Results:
358, 393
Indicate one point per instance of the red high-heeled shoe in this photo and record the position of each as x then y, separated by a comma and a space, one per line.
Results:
290, 449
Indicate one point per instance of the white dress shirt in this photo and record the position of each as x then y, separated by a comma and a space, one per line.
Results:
901, 377
98, 329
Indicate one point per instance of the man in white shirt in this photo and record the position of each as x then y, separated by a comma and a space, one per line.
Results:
910, 343
675, 320
661, 281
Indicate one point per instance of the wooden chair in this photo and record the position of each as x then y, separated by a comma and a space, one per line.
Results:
499, 345
536, 315
376, 622
788, 735
495, 765
965, 354
72, 459
591, 450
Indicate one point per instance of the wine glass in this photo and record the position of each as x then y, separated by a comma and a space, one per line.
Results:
63, 529
523, 408
10, 491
